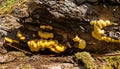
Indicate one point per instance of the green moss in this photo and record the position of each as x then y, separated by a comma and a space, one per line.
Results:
113, 61
7, 5
87, 60
27, 66
105, 67
105, 62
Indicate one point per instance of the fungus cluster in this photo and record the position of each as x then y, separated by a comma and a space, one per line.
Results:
82, 43
98, 33
46, 42
42, 44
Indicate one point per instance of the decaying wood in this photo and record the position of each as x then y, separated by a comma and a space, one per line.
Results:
69, 19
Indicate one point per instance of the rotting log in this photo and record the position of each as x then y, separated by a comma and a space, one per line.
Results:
69, 19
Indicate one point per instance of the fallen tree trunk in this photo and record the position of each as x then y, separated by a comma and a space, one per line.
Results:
69, 19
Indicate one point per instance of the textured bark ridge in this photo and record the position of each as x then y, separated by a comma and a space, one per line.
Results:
69, 19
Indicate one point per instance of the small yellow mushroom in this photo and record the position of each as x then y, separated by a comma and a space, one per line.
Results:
10, 40
76, 39
20, 35
93, 22
82, 43
45, 35
100, 24
57, 48
33, 46
42, 44
22, 38
46, 27
54, 50
96, 36
60, 48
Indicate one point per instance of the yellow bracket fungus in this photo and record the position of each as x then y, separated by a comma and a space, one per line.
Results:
82, 43
53, 45
98, 33
10, 40
46, 27
20, 35
45, 35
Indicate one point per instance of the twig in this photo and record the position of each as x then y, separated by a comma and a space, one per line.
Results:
18, 48
112, 54
109, 54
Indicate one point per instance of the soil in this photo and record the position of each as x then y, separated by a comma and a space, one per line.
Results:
20, 60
